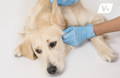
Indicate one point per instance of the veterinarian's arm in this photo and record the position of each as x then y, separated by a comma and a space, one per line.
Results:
77, 35
109, 26
65, 2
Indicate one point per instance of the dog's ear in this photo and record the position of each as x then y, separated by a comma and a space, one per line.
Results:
25, 49
57, 16
44, 3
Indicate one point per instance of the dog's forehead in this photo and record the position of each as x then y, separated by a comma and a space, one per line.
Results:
51, 31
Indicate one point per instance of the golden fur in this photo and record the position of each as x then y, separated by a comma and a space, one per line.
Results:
46, 24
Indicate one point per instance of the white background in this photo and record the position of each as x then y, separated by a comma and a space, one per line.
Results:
83, 62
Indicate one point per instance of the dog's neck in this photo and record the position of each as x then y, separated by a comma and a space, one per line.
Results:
75, 14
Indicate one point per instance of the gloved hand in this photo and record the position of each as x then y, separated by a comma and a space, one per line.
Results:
75, 36
65, 2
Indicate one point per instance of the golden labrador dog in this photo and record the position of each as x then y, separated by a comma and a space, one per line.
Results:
42, 36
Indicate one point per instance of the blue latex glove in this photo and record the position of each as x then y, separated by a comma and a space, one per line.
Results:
65, 2
75, 36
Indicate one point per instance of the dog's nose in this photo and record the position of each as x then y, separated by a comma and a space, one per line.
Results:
52, 70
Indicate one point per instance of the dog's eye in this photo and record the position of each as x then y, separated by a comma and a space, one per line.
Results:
52, 44
38, 51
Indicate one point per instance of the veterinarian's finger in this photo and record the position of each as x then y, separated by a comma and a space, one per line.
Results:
68, 29
67, 41
51, 1
68, 35
68, 38
64, 37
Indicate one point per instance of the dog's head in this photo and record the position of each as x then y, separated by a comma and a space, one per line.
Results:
45, 41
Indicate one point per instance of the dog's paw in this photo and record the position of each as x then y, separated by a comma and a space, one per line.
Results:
18, 54
110, 56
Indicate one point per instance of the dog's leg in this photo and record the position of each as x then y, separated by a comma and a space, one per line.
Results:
104, 50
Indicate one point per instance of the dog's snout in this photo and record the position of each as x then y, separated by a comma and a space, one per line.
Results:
52, 70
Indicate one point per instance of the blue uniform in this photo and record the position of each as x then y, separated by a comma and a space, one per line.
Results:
65, 2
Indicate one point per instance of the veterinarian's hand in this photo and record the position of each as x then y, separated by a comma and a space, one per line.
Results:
65, 2
75, 36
